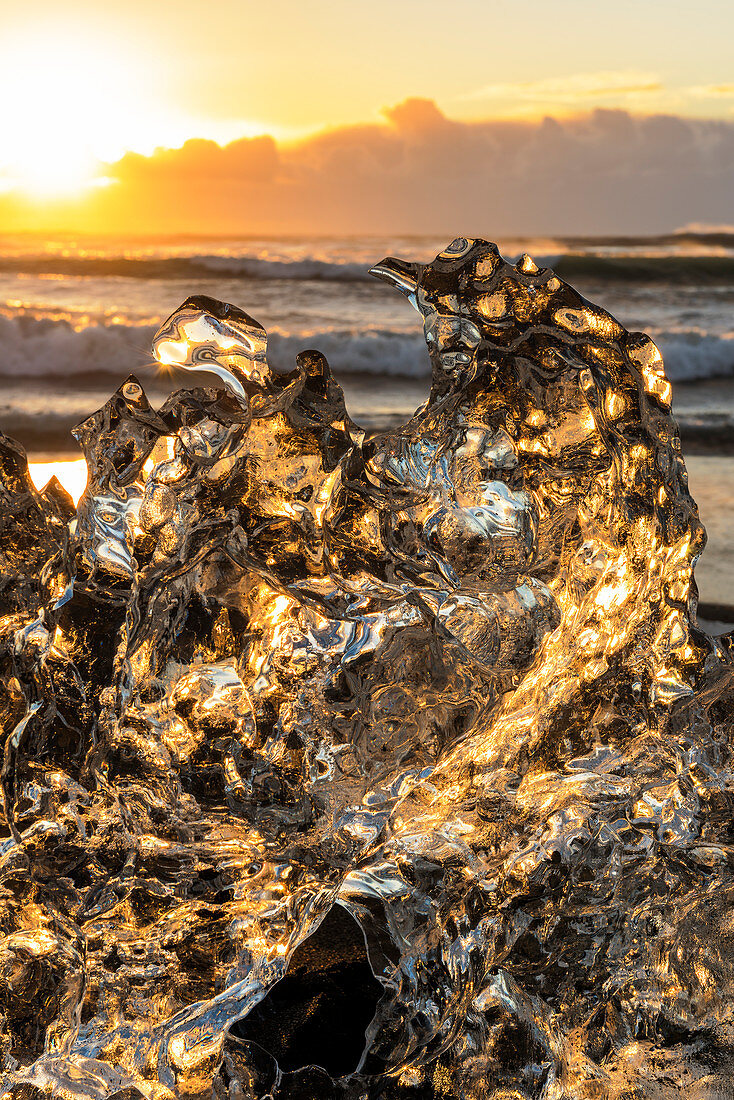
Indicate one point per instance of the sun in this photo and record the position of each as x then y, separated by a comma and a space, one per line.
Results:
78, 101
80, 97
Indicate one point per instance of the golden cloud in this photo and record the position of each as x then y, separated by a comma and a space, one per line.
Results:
420, 172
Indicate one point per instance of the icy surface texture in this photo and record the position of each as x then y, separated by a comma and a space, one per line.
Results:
348, 766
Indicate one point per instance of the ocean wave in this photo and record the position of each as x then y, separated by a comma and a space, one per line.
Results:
692, 356
35, 347
707, 237
681, 269
720, 236
42, 347
205, 266
641, 267
379, 352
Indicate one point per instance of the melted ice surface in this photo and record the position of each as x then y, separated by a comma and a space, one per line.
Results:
358, 766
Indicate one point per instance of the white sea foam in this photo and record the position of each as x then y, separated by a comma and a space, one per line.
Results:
36, 347
693, 356
33, 347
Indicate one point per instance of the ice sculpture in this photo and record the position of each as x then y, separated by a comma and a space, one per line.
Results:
389, 766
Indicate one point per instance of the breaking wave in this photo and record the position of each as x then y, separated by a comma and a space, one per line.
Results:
691, 356
43, 347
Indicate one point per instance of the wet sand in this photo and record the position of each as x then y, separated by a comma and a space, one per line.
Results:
711, 481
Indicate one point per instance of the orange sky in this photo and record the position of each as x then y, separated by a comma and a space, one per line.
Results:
319, 85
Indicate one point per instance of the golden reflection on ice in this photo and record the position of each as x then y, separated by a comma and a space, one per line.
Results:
349, 764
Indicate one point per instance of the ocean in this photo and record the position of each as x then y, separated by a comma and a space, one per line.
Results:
77, 316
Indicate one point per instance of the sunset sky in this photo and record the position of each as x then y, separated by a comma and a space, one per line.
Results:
355, 117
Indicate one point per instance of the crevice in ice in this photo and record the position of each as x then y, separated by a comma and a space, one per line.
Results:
317, 1014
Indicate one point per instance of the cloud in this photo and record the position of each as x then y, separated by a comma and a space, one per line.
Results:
571, 89
246, 158
713, 91
418, 171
